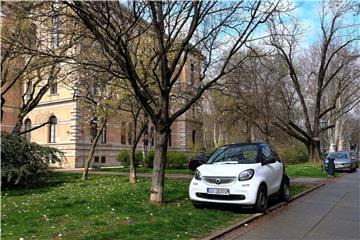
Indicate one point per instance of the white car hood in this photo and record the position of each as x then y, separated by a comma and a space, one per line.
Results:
222, 170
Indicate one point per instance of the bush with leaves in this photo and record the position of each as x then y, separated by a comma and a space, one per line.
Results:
176, 159
295, 153
24, 163
124, 157
148, 161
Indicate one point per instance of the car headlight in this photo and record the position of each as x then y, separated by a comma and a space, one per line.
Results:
246, 175
197, 175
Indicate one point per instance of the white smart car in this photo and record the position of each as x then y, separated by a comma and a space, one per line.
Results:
244, 174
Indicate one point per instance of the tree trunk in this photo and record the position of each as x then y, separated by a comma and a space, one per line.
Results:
91, 153
157, 183
314, 151
132, 164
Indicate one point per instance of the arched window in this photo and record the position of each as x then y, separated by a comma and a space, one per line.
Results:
103, 135
27, 125
93, 130
192, 73
130, 134
52, 129
122, 140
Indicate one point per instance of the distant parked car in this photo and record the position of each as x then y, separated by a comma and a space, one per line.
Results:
198, 160
343, 160
243, 174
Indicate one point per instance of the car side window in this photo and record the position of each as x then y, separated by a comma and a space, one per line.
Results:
276, 156
267, 153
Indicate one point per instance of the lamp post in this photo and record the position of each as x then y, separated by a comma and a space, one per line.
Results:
323, 125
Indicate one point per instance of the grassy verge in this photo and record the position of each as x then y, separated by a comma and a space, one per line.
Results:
306, 170
107, 207
148, 170
296, 189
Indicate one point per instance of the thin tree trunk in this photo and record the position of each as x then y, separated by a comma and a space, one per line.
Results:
91, 153
135, 142
132, 164
157, 184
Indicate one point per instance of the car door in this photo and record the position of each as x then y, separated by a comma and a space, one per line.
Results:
269, 168
278, 171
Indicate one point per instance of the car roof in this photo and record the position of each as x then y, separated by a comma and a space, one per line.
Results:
243, 144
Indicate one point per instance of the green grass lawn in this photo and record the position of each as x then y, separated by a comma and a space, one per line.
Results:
296, 189
107, 207
148, 170
306, 170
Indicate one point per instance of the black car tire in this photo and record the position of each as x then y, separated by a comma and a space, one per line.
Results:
284, 193
261, 199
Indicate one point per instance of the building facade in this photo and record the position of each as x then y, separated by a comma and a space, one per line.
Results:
68, 128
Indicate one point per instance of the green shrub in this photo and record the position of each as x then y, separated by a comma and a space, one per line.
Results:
291, 154
176, 159
124, 157
24, 163
149, 159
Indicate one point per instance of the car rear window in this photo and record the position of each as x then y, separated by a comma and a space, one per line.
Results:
243, 154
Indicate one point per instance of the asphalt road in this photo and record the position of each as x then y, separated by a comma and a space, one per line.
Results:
331, 212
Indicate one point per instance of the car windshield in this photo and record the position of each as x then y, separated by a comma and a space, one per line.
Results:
243, 154
337, 155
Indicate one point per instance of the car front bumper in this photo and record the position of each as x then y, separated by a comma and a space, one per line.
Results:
241, 193
342, 166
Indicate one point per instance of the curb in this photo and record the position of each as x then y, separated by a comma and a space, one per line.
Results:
252, 217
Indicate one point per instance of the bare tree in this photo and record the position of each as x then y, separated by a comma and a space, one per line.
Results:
174, 33
326, 63
28, 58
139, 124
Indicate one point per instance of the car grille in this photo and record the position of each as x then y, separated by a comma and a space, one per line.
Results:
219, 180
232, 197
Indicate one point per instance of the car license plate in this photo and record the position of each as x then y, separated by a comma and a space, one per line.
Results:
218, 191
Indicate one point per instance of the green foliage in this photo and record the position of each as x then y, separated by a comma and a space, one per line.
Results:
295, 153
124, 157
176, 159
24, 163
149, 159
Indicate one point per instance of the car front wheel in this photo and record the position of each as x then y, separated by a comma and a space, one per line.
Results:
261, 199
285, 189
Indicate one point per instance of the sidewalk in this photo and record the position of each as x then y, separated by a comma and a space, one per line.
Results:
332, 212
295, 180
